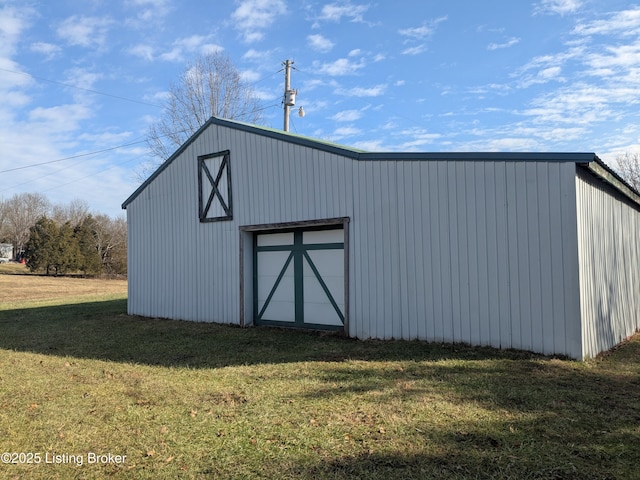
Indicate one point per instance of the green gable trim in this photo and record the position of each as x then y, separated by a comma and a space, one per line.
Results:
581, 158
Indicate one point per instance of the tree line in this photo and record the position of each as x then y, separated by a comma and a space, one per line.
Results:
62, 239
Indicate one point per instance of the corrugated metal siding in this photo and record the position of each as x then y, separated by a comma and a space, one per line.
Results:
609, 251
181, 268
476, 252
480, 252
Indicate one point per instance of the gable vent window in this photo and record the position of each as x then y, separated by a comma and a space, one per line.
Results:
214, 187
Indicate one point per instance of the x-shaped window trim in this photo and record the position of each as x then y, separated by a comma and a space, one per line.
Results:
215, 186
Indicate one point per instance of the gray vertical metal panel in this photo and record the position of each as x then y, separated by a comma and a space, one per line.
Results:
609, 252
501, 326
492, 261
480, 243
272, 182
480, 333
407, 286
570, 264
462, 251
442, 250
163, 221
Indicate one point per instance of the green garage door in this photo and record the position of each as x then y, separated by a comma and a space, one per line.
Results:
299, 278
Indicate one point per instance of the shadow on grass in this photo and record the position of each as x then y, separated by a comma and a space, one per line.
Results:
554, 419
103, 330
523, 418
457, 458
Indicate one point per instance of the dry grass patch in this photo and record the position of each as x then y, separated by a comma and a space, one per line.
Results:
198, 401
21, 288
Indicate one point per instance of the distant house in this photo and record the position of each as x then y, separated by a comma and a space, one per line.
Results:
534, 251
6, 252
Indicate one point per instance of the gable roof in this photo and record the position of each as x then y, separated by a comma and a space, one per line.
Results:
587, 160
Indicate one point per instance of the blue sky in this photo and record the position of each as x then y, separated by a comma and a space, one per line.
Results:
81, 81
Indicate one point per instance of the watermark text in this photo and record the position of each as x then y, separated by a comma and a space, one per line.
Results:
56, 458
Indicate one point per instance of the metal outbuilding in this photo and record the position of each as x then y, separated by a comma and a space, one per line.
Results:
534, 251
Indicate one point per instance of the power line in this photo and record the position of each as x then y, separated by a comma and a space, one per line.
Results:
72, 157
90, 175
107, 149
81, 88
97, 92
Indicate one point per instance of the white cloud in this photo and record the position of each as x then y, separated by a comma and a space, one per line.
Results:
310, 84
107, 139
82, 31
13, 22
266, 58
503, 144
542, 76
626, 22
558, 134
253, 16
253, 54
49, 50
550, 73
347, 116
418, 49
423, 31
14, 99
61, 118
342, 132
547, 67
416, 33
371, 146
206, 48
374, 91
580, 104
419, 34
250, 76
420, 140
618, 57
560, 7
342, 66
334, 12
142, 51
319, 43
267, 95
509, 43
82, 78
151, 10
188, 46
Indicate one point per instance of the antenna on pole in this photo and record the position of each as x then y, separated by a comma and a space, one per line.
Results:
289, 94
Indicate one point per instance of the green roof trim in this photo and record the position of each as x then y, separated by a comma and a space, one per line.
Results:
588, 160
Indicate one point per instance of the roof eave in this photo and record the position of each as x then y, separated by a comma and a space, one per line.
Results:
607, 174
165, 164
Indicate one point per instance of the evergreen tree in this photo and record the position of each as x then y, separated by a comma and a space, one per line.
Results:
40, 249
52, 248
67, 257
89, 254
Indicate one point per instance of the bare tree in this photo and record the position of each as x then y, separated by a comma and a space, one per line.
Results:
22, 211
110, 237
629, 168
74, 212
3, 219
211, 86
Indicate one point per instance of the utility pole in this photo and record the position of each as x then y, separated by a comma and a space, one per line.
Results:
289, 95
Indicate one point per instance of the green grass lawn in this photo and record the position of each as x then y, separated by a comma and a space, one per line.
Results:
189, 400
